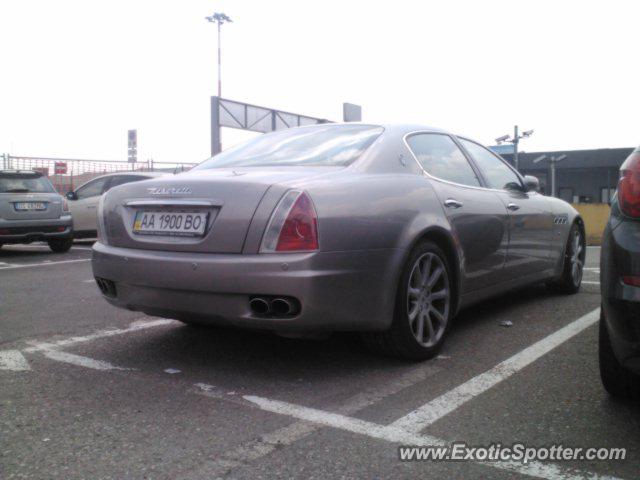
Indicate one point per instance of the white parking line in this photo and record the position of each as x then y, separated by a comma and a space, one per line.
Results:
133, 327
453, 399
254, 449
590, 283
393, 434
43, 264
13, 360
80, 361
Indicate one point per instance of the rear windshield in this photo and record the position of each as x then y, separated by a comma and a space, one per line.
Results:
21, 183
325, 145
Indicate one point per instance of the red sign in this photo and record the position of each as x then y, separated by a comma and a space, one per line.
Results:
60, 168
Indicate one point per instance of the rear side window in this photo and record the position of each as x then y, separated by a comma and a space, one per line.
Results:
24, 183
497, 173
322, 145
440, 157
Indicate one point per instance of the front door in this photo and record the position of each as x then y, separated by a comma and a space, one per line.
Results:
530, 214
530, 232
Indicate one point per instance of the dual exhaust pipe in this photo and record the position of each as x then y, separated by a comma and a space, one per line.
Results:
277, 306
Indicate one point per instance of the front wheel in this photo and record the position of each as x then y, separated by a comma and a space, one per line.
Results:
60, 245
423, 307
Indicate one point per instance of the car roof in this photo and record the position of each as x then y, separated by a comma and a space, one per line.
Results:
390, 128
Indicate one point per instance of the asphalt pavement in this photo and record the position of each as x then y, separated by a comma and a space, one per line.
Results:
88, 391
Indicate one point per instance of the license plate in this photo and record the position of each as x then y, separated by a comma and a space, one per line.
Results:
26, 206
167, 223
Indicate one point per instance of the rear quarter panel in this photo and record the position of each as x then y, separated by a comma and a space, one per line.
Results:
374, 211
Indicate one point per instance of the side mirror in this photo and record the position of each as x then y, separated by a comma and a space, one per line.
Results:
531, 183
72, 196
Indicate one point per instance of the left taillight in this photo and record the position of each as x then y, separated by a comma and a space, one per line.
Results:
629, 186
633, 280
293, 226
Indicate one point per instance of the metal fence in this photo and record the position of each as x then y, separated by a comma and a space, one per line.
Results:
66, 174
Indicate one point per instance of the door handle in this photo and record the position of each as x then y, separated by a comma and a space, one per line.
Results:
451, 203
513, 207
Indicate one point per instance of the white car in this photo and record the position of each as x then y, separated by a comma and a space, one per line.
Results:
83, 201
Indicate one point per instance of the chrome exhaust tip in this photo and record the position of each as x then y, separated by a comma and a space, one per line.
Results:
259, 306
281, 306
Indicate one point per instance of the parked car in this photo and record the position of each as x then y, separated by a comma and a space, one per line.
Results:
83, 201
620, 285
386, 230
31, 210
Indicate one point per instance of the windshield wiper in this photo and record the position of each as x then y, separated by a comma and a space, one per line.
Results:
18, 190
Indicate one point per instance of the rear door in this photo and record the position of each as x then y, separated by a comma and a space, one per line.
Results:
84, 209
477, 216
530, 214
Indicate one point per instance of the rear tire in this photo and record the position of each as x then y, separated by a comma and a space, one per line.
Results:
573, 265
60, 245
617, 380
423, 307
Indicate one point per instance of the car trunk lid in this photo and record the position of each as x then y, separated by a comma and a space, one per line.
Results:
226, 198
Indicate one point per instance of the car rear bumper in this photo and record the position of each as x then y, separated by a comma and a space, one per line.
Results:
621, 302
336, 290
25, 231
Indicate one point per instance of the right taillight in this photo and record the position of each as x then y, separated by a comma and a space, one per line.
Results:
629, 186
293, 227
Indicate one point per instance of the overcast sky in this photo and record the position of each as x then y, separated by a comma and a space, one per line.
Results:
75, 75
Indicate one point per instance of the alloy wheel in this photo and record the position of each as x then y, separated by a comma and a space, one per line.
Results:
428, 299
577, 258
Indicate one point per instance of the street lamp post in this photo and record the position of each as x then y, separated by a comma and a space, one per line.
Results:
515, 140
219, 19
